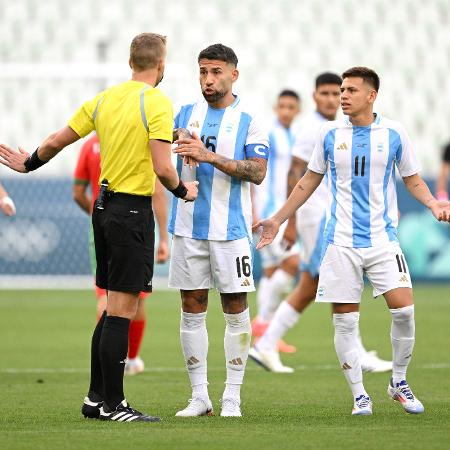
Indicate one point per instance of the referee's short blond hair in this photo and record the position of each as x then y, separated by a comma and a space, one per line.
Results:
146, 51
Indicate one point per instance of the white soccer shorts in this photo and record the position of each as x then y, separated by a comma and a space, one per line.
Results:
274, 254
311, 237
342, 270
202, 264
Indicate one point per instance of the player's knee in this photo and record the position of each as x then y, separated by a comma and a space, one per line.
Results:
404, 314
346, 323
192, 321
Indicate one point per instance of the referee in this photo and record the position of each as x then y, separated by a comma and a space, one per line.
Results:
134, 123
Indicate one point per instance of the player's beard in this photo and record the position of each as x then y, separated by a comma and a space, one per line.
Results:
213, 98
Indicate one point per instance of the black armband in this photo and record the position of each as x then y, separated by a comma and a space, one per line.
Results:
180, 191
33, 162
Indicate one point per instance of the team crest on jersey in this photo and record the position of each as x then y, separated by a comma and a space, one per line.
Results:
229, 128
380, 147
342, 146
320, 291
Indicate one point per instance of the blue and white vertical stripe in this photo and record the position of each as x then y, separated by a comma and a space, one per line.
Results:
222, 210
362, 203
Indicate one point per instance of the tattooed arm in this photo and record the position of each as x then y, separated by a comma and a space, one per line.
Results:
252, 169
419, 190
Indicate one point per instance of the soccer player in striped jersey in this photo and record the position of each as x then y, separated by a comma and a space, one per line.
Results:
211, 239
280, 265
309, 224
359, 155
87, 173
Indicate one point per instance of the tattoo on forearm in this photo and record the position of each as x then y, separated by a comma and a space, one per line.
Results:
247, 169
301, 187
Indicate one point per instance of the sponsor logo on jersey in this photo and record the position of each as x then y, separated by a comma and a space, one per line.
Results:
342, 146
246, 282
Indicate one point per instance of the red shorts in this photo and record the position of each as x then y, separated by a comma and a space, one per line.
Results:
99, 293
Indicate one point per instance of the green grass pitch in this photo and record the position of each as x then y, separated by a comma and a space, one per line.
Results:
45, 338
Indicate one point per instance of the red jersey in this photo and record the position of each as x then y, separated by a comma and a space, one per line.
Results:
88, 166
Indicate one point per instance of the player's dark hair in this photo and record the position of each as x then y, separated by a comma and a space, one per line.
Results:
368, 75
220, 52
146, 50
328, 78
289, 93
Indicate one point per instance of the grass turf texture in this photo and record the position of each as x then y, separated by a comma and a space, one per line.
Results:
44, 376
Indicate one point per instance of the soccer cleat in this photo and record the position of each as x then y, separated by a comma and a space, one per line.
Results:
230, 408
134, 366
402, 393
270, 360
370, 362
125, 413
259, 327
90, 409
362, 406
197, 407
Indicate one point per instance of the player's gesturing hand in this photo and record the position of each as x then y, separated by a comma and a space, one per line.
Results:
192, 187
270, 229
193, 148
441, 210
13, 159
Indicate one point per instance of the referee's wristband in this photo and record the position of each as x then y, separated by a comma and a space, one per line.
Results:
180, 191
33, 162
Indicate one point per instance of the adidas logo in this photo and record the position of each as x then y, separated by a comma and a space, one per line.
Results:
346, 366
195, 124
403, 279
192, 360
246, 282
343, 146
236, 362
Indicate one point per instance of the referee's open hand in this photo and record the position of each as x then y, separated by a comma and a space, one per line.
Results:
13, 159
192, 187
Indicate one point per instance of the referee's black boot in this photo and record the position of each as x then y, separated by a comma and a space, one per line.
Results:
91, 409
125, 413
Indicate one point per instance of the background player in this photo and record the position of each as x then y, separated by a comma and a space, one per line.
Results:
309, 222
280, 265
359, 154
87, 173
211, 242
6, 203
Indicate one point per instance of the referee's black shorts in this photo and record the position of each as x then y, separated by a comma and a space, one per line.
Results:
124, 236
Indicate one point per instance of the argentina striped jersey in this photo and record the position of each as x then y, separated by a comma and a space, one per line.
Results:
272, 192
360, 162
222, 210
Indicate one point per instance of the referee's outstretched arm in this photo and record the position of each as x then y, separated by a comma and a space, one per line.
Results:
21, 161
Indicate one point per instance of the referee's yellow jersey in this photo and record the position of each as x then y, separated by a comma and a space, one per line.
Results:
126, 117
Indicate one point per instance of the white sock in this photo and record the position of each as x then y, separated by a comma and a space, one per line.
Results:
285, 318
361, 350
274, 288
238, 333
402, 338
345, 331
261, 294
194, 342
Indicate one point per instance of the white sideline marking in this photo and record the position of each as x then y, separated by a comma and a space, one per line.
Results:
430, 366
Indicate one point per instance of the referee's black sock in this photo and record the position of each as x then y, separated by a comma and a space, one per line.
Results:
96, 386
113, 354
